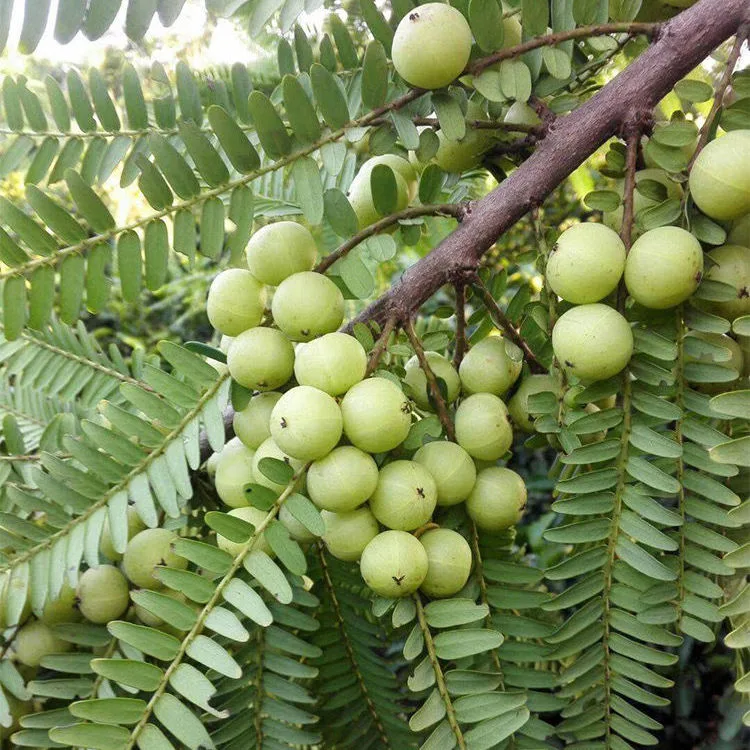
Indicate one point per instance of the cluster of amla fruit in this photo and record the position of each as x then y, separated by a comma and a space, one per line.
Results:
342, 431
103, 593
592, 340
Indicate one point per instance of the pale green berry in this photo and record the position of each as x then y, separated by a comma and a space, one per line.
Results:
333, 363
405, 496
452, 469
211, 464
34, 641
498, 499
252, 424
145, 551
269, 449
103, 594
233, 472
296, 529
731, 266
664, 267
342, 480
62, 609
361, 199
261, 359
520, 113
448, 562
518, 406
135, 524
491, 366
586, 263
278, 250
431, 46
740, 232
394, 564
720, 177
347, 534
376, 415
592, 342
307, 305
236, 301
416, 380
306, 423
254, 516
482, 427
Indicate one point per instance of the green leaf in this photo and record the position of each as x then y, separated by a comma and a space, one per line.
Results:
207, 159
651, 475
214, 656
300, 111
643, 561
285, 548
734, 403
344, 44
330, 97
486, 21
212, 227
174, 167
94, 736
14, 307
109, 710
384, 189
138, 18
194, 586
248, 601
236, 145
694, 90
515, 80
457, 644
103, 105
309, 188
71, 288
431, 183
431, 712
452, 612
340, 213
152, 642
89, 203
450, 116
374, 75
306, 513
135, 104
231, 527
473, 708
661, 215
271, 130
269, 575
735, 452
182, 722
488, 733
167, 608
377, 24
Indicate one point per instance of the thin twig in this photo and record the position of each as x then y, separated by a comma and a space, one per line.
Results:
604, 29
454, 210
721, 89
380, 346
633, 139
441, 407
504, 322
458, 355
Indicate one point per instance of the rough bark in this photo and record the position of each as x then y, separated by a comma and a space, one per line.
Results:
680, 46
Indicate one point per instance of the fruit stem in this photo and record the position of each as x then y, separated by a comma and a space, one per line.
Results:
441, 407
504, 322
380, 346
450, 713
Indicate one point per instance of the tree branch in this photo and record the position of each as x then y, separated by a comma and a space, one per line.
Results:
681, 45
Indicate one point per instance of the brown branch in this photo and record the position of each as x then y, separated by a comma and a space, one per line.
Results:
380, 346
633, 140
682, 44
441, 407
718, 102
458, 354
549, 40
504, 322
455, 210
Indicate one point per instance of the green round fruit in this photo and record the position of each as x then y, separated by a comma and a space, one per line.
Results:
34, 641
586, 263
145, 551
254, 516
236, 301
491, 366
261, 359
520, 113
233, 471
296, 529
135, 524
740, 232
342, 480
405, 496
103, 594
721, 350
518, 406
613, 219
360, 195
307, 305
416, 381
376, 415
333, 363
394, 564
448, 562
252, 424
269, 449
731, 266
464, 154
278, 250
592, 342
347, 534
62, 609
664, 267
452, 469
720, 177
482, 427
306, 423
431, 46
498, 499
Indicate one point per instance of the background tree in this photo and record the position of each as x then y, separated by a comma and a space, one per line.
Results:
576, 576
